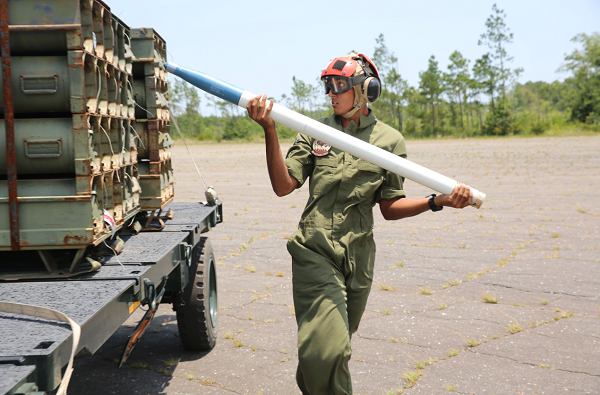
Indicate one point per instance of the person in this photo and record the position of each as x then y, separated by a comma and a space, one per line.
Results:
333, 252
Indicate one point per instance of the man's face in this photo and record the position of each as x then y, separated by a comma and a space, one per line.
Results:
342, 102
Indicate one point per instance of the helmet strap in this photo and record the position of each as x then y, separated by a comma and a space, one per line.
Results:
359, 101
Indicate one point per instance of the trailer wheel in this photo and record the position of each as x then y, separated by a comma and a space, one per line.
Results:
197, 308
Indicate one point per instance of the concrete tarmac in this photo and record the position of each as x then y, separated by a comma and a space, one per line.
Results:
501, 300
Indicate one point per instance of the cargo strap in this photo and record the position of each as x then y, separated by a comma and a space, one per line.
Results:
210, 193
49, 314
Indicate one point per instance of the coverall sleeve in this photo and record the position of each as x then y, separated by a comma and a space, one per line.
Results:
299, 159
393, 184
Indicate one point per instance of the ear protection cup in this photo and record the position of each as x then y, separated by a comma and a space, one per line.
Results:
373, 89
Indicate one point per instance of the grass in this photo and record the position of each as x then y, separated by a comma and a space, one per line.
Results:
567, 314
172, 362
279, 274
555, 235
384, 287
253, 347
442, 306
515, 327
543, 301
400, 264
452, 353
425, 291
229, 336
489, 299
386, 311
411, 378
450, 387
190, 377
238, 343
138, 365
207, 381
472, 342
251, 269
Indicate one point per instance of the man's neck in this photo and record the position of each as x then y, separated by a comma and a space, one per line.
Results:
356, 117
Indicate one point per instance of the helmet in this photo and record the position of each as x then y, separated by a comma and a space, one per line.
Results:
353, 71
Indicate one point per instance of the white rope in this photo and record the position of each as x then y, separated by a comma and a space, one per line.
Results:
49, 314
186, 147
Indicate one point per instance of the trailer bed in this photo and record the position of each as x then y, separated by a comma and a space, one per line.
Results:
99, 302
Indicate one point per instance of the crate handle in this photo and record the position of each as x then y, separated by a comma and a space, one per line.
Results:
29, 143
47, 91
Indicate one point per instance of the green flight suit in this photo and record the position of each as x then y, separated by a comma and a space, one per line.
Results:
333, 251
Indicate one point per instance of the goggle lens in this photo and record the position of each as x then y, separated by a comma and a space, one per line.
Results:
336, 84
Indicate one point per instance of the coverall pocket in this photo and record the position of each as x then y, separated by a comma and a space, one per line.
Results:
311, 266
323, 174
369, 178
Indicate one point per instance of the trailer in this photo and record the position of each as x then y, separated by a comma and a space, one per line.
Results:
174, 265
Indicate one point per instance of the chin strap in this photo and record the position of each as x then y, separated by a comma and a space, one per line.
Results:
360, 101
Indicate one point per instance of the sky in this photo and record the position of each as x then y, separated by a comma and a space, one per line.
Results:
260, 45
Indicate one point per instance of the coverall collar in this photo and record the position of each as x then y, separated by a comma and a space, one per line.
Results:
352, 128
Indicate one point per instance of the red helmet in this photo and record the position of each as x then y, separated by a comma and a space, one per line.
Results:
343, 73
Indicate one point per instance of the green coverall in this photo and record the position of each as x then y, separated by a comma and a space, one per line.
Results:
333, 251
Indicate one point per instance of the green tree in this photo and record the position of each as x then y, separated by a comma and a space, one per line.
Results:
496, 38
457, 80
431, 88
584, 64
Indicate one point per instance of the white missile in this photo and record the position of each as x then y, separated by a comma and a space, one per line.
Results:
327, 134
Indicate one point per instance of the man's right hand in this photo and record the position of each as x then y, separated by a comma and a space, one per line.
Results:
260, 113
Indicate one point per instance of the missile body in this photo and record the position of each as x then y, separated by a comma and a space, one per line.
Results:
326, 134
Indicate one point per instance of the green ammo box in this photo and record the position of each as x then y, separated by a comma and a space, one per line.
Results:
157, 182
53, 215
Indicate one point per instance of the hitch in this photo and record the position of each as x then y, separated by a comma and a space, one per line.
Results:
153, 298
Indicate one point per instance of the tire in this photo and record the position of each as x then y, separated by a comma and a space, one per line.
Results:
198, 305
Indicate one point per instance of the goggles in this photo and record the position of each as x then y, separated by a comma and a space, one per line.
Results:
338, 84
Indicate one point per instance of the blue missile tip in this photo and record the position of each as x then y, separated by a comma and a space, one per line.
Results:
207, 83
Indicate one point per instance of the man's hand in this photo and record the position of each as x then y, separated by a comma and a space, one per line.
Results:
461, 197
260, 113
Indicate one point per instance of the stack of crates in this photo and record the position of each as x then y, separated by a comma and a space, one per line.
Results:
75, 134
150, 89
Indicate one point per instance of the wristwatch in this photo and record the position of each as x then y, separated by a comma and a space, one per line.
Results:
432, 205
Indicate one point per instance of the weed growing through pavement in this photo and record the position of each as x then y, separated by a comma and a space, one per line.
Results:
489, 299
452, 353
555, 235
238, 343
425, 291
229, 336
543, 301
285, 359
207, 381
411, 378
280, 274
441, 306
567, 314
450, 387
400, 264
172, 362
385, 287
386, 311
253, 347
190, 377
250, 268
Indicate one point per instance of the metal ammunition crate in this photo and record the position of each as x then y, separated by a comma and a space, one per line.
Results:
150, 52
53, 215
157, 182
76, 82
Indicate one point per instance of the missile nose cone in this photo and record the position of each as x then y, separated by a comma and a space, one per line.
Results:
171, 67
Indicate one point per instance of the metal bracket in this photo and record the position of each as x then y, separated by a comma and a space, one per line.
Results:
154, 296
186, 252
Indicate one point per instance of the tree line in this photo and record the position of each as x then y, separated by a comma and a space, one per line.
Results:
469, 98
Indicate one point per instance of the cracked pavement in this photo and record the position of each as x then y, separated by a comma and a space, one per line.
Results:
533, 248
